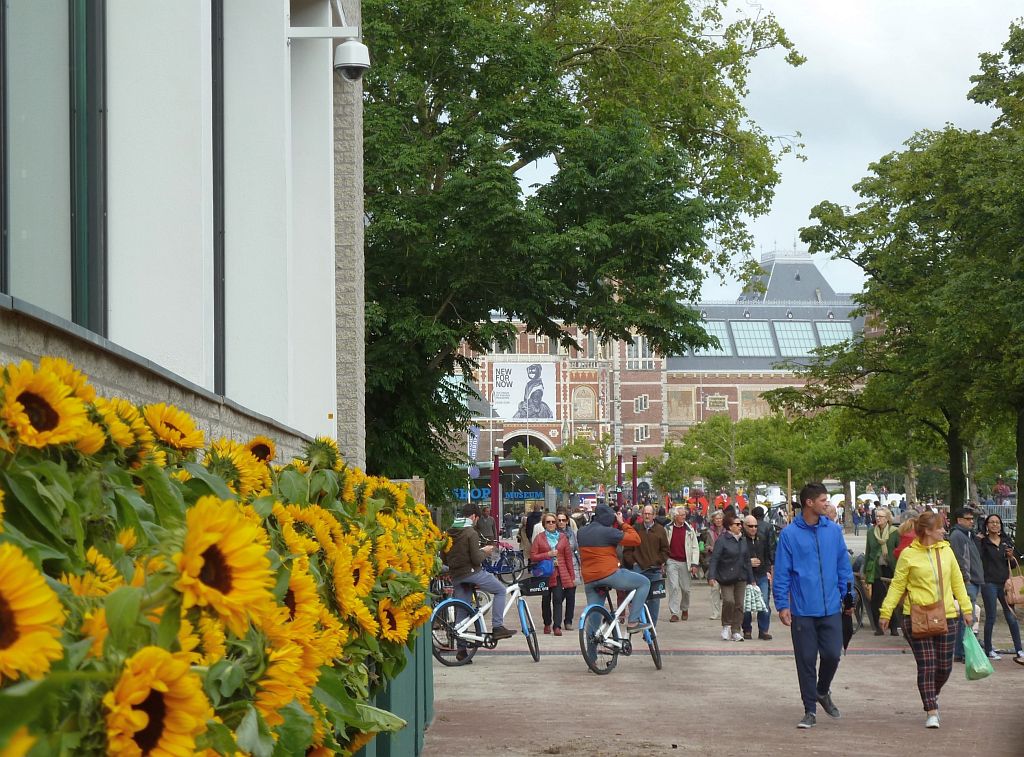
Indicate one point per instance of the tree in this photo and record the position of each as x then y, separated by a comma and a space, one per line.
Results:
638, 103
583, 464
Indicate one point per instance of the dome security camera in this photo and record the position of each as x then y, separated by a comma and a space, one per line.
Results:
351, 59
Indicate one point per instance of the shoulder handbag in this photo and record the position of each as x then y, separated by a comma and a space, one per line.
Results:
1014, 586
928, 620
543, 569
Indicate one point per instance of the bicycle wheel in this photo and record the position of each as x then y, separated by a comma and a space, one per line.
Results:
651, 637
444, 637
858, 611
529, 630
518, 564
506, 572
600, 657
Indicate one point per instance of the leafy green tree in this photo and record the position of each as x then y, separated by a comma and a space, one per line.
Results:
583, 465
639, 105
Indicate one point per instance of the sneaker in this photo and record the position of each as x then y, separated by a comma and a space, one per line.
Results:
932, 721
764, 636
461, 656
558, 631
825, 700
737, 637
500, 632
685, 615
674, 619
807, 721
638, 627
726, 633
567, 626
993, 655
714, 617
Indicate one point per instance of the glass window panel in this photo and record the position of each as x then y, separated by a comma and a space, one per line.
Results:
833, 332
753, 338
38, 103
720, 330
796, 338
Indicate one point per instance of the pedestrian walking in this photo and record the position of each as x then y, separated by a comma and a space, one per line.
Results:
965, 549
879, 562
710, 536
566, 526
683, 556
553, 545
927, 572
649, 557
730, 570
762, 558
812, 572
995, 550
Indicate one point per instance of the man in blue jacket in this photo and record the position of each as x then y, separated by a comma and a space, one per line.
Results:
812, 572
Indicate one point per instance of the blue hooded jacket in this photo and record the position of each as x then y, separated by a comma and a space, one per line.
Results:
812, 569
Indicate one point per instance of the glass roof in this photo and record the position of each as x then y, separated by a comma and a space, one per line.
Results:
720, 330
796, 338
753, 339
833, 332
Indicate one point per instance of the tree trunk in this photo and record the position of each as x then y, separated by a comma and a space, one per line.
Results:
910, 483
1019, 541
848, 508
957, 480
972, 478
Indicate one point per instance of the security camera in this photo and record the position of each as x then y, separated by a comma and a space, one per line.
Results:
351, 59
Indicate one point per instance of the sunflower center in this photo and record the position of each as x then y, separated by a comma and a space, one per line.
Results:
390, 618
355, 576
289, 602
261, 452
155, 708
40, 413
8, 627
215, 573
173, 428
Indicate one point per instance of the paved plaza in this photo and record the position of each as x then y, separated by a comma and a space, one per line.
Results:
715, 697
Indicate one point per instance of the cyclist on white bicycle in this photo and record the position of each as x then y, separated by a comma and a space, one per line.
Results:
600, 564
464, 560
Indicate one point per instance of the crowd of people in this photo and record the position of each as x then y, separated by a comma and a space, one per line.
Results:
801, 564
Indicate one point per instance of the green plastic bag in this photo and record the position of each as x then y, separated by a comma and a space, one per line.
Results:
977, 665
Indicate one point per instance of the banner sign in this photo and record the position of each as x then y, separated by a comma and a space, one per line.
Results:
524, 495
476, 494
524, 391
473, 442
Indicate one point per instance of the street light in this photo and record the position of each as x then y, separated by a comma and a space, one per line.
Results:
634, 477
495, 484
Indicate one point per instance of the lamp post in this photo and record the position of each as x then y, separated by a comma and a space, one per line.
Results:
495, 484
635, 493
618, 480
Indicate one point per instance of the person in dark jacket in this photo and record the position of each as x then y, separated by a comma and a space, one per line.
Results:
995, 548
465, 558
650, 556
762, 557
730, 569
812, 572
965, 549
600, 564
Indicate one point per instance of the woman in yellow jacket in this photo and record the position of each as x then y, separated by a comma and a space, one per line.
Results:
917, 574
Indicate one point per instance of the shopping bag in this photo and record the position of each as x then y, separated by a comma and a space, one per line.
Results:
753, 601
977, 665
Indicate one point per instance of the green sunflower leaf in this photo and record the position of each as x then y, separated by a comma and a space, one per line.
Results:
253, 735
170, 624
217, 737
294, 487
22, 487
295, 733
165, 496
122, 610
213, 482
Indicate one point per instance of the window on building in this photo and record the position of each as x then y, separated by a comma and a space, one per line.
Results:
833, 332
753, 338
641, 433
717, 329
642, 403
639, 356
796, 338
680, 405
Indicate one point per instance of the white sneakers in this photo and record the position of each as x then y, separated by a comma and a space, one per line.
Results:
737, 637
726, 633
994, 655
932, 721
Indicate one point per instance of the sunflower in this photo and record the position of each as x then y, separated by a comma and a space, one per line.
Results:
235, 464
127, 539
363, 574
322, 452
223, 565
117, 428
1, 511
92, 440
395, 623
94, 625
157, 706
301, 597
30, 618
73, 378
205, 644
262, 448
173, 427
358, 740
144, 567
278, 687
99, 579
40, 409
19, 743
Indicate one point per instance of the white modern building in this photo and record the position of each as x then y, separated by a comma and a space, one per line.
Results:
181, 205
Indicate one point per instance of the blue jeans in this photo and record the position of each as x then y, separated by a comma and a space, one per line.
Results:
813, 637
764, 617
961, 629
623, 580
653, 605
990, 593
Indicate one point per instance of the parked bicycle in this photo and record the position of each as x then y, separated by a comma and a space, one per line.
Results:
603, 634
507, 562
456, 624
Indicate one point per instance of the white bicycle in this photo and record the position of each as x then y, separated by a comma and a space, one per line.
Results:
457, 625
603, 635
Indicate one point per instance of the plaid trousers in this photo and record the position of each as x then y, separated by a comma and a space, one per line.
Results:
934, 656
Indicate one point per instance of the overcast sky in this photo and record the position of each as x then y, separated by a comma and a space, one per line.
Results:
876, 72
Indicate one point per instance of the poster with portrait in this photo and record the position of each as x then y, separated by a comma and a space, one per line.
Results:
524, 391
